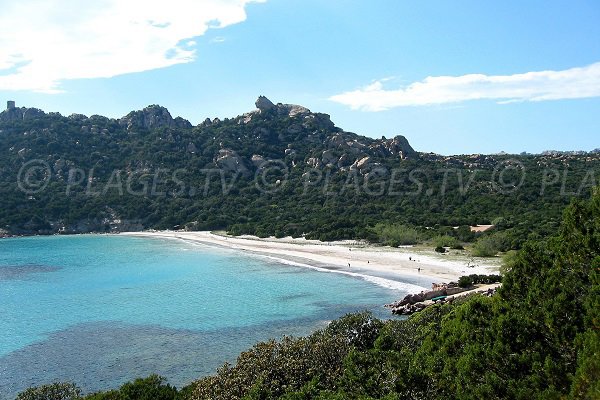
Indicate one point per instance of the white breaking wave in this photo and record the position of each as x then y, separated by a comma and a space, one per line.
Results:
383, 282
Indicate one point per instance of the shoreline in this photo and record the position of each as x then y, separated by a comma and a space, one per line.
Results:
407, 268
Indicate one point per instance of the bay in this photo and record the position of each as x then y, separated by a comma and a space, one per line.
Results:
100, 310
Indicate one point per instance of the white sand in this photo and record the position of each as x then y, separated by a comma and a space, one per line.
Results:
379, 264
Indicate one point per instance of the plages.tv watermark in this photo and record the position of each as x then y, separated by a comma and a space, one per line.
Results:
35, 176
273, 176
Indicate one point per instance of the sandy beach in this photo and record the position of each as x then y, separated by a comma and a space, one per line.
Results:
408, 268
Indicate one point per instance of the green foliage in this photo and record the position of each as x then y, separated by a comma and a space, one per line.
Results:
586, 383
336, 207
508, 261
464, 233
396, 235
153, 387
440, 249
465, 281
446, 241
491, 244
474, 279
293, 365
54, 391
484, 247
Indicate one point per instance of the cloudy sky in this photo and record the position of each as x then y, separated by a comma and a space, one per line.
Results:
453, 77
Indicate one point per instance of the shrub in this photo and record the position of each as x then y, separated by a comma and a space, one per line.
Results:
484, 247
473, 279
446, 241
465, 281
396, 235
54, 391
153, 387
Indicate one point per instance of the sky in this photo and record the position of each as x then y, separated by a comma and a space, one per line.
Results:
453, 77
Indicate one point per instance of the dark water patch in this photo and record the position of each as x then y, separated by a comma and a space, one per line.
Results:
339, 310
293, 270
21, 272
292, 297
104, 355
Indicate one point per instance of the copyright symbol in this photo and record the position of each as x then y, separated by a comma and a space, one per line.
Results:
34, 176
508, 176
271, 176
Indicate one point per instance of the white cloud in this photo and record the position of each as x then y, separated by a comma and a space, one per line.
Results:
44, 42
574, 83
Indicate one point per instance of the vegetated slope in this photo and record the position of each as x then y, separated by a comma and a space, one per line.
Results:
279, 170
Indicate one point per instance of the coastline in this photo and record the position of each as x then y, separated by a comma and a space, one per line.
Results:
406, 268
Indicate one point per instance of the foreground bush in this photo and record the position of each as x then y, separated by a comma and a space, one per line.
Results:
55, 391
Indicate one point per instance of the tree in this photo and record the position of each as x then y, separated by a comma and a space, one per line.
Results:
54, 391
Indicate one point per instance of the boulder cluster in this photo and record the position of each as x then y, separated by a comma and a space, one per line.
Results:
14, 114
153, 117
413, 303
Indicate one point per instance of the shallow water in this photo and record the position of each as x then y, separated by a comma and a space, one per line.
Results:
102, 310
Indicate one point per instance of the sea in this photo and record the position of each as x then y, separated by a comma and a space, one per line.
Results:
101, 310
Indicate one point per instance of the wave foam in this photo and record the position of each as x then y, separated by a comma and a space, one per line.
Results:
383, 282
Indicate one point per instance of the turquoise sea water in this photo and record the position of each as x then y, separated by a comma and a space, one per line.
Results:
102, 310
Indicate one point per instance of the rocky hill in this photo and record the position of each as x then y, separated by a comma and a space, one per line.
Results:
280, 169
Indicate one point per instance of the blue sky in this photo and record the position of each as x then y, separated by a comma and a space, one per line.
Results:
453, 77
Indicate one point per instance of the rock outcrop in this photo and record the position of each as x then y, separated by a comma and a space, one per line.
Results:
263, 104
14, 114
413, 303
399, 146
191, 148
229, 160
153, 117
257, 160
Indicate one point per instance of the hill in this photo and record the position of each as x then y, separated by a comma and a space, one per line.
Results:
278, 170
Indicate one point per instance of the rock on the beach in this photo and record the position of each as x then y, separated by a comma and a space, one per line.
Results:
412, 303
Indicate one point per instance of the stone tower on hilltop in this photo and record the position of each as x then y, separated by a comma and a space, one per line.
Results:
10, 105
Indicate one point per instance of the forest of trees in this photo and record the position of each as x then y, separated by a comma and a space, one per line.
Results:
78, 174
537, 338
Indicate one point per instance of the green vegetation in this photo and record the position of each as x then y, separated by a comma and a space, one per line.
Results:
491, 244
54, 391
447, 241
474, 279
484, 247
396, 235
440, 249
537, 338
152, 388
105, 175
